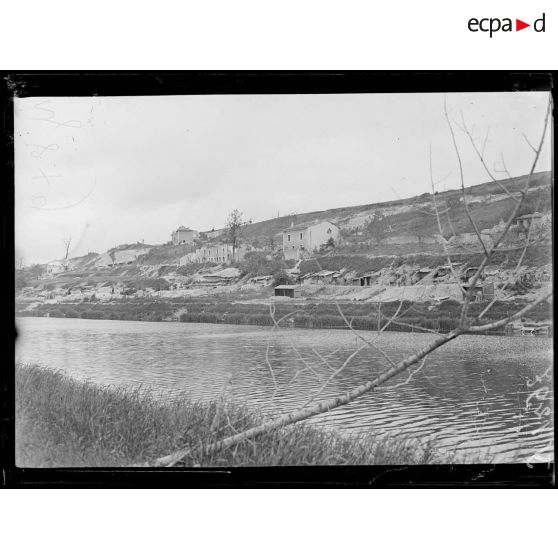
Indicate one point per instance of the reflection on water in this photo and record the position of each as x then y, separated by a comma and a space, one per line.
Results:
474, 395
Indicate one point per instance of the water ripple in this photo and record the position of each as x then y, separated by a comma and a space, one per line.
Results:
471, 395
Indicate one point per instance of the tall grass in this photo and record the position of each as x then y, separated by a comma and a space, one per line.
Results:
61, 422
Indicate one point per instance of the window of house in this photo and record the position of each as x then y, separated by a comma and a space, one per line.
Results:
328, 231
289, 237
300, 236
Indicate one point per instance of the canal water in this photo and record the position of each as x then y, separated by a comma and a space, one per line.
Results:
476, 399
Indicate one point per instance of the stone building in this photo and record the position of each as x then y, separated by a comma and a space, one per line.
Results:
299, 241
216, 253
57, 266
182, 235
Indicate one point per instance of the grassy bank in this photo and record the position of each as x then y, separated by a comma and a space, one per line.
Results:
64, 423
322, 315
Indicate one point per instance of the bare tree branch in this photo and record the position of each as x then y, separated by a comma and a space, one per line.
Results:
301, 358
511, 219
302, 414
411, 375
507, 282
485, 141
334, 375
67, 242
482, 160
465, 326
440, 230
528, 142
512, 318
458, 155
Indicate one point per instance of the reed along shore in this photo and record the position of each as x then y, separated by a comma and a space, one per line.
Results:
62, 422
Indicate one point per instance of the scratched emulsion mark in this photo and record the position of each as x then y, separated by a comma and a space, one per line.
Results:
540, 403
52, 115
40, 150
39, 200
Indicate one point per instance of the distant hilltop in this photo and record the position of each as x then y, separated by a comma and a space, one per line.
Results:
388, 228
406, 217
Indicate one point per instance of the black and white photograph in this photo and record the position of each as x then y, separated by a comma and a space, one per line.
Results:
225, 281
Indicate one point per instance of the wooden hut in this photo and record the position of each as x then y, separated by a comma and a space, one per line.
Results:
292, 291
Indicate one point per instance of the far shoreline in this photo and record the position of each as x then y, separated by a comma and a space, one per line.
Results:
338, 327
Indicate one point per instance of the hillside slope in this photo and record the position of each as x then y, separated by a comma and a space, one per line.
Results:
414, 217
382, 231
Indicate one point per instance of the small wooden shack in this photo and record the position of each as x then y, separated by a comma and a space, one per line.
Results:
366, 280
292, 291
481, 291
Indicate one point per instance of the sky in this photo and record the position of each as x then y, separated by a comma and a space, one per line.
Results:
114, 170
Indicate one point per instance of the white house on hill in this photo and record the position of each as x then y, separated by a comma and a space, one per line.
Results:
306, 238
182, 235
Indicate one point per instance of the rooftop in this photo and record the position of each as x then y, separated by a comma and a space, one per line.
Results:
530, 216
296, 228
302, 227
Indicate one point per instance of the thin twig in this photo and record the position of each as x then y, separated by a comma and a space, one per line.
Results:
458, 155
409, 377
418, 357
528, 142
448, 257
480, 155
334, 375
509, 222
